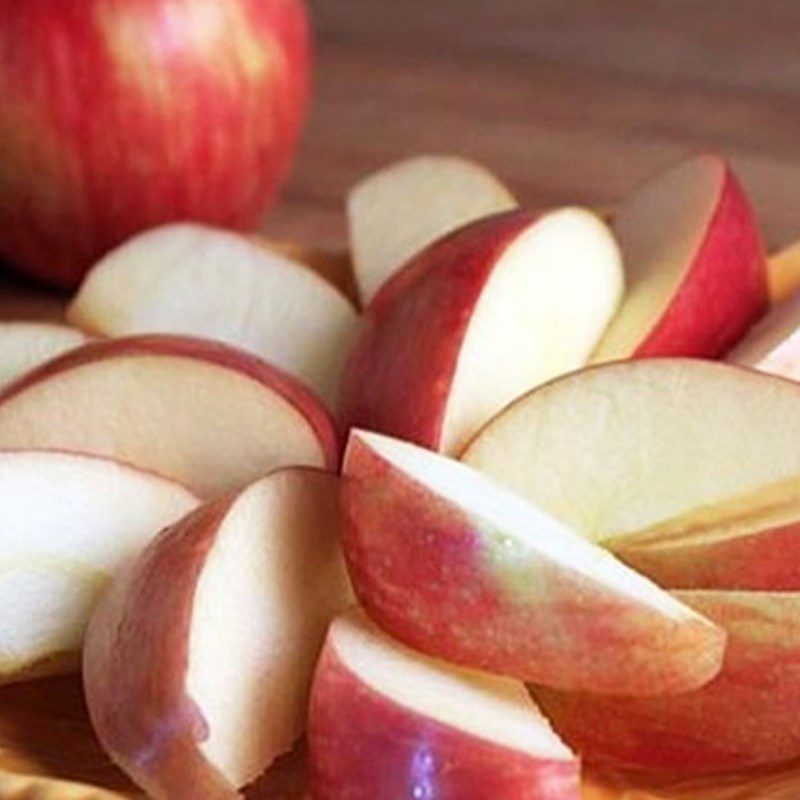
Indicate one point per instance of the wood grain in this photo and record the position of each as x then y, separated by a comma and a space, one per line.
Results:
568, 101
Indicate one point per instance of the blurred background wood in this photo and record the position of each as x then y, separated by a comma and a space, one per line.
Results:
568, 100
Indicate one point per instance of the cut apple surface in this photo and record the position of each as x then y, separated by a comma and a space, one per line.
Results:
208, 415
478, 319
618, 449
198, 661
200, 281
397, 212
25, 345
695, 268
774, 344
335, 266
748, 542
386, 721
784, 272
455, 566
69, 521
745, 717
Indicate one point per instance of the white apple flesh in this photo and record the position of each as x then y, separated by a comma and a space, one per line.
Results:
69, 521
25, 345
397, 212
200, 281
208, 415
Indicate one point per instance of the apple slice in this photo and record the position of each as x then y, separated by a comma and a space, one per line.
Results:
451, 564
774, 344
385, 721
336, 266
783, 270
198, 661
748, 542
695, 266
69, 520
208, 415
195, 280
744, 717
25, 345
620, 448
476, 320
397, 212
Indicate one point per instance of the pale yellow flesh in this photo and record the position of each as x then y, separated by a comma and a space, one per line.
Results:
25, 345
200, 281
773, 507
620, 448
68, 523
207, 426
783, 272
774, 344
542, 312
269, 587
497, 710
397, 212
661, 229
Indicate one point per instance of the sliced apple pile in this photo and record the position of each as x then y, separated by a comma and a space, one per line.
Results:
25, 345
397, 212
744, 717
69, 520
451, 564
695, 267
624, 537
477, 319
385, 721
208, 415
198, 281
199, 659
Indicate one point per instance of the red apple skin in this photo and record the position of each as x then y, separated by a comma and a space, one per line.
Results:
725, 292
745, 717
766, 560
363, 746
419, 569
203, 350
135, 661
119, 115
399, 375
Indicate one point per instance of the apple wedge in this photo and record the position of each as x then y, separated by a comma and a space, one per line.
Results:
203, 413
397, 212
385, 721
25, 345
477, 319
745, 717
620, 448
335, 266
748, 542
774, 344
199, 659
458, 568
783, 270
200, 281
695, 268
69, 520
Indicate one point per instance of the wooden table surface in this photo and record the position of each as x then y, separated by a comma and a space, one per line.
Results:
568, 100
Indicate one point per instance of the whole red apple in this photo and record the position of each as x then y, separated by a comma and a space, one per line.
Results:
117, 115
